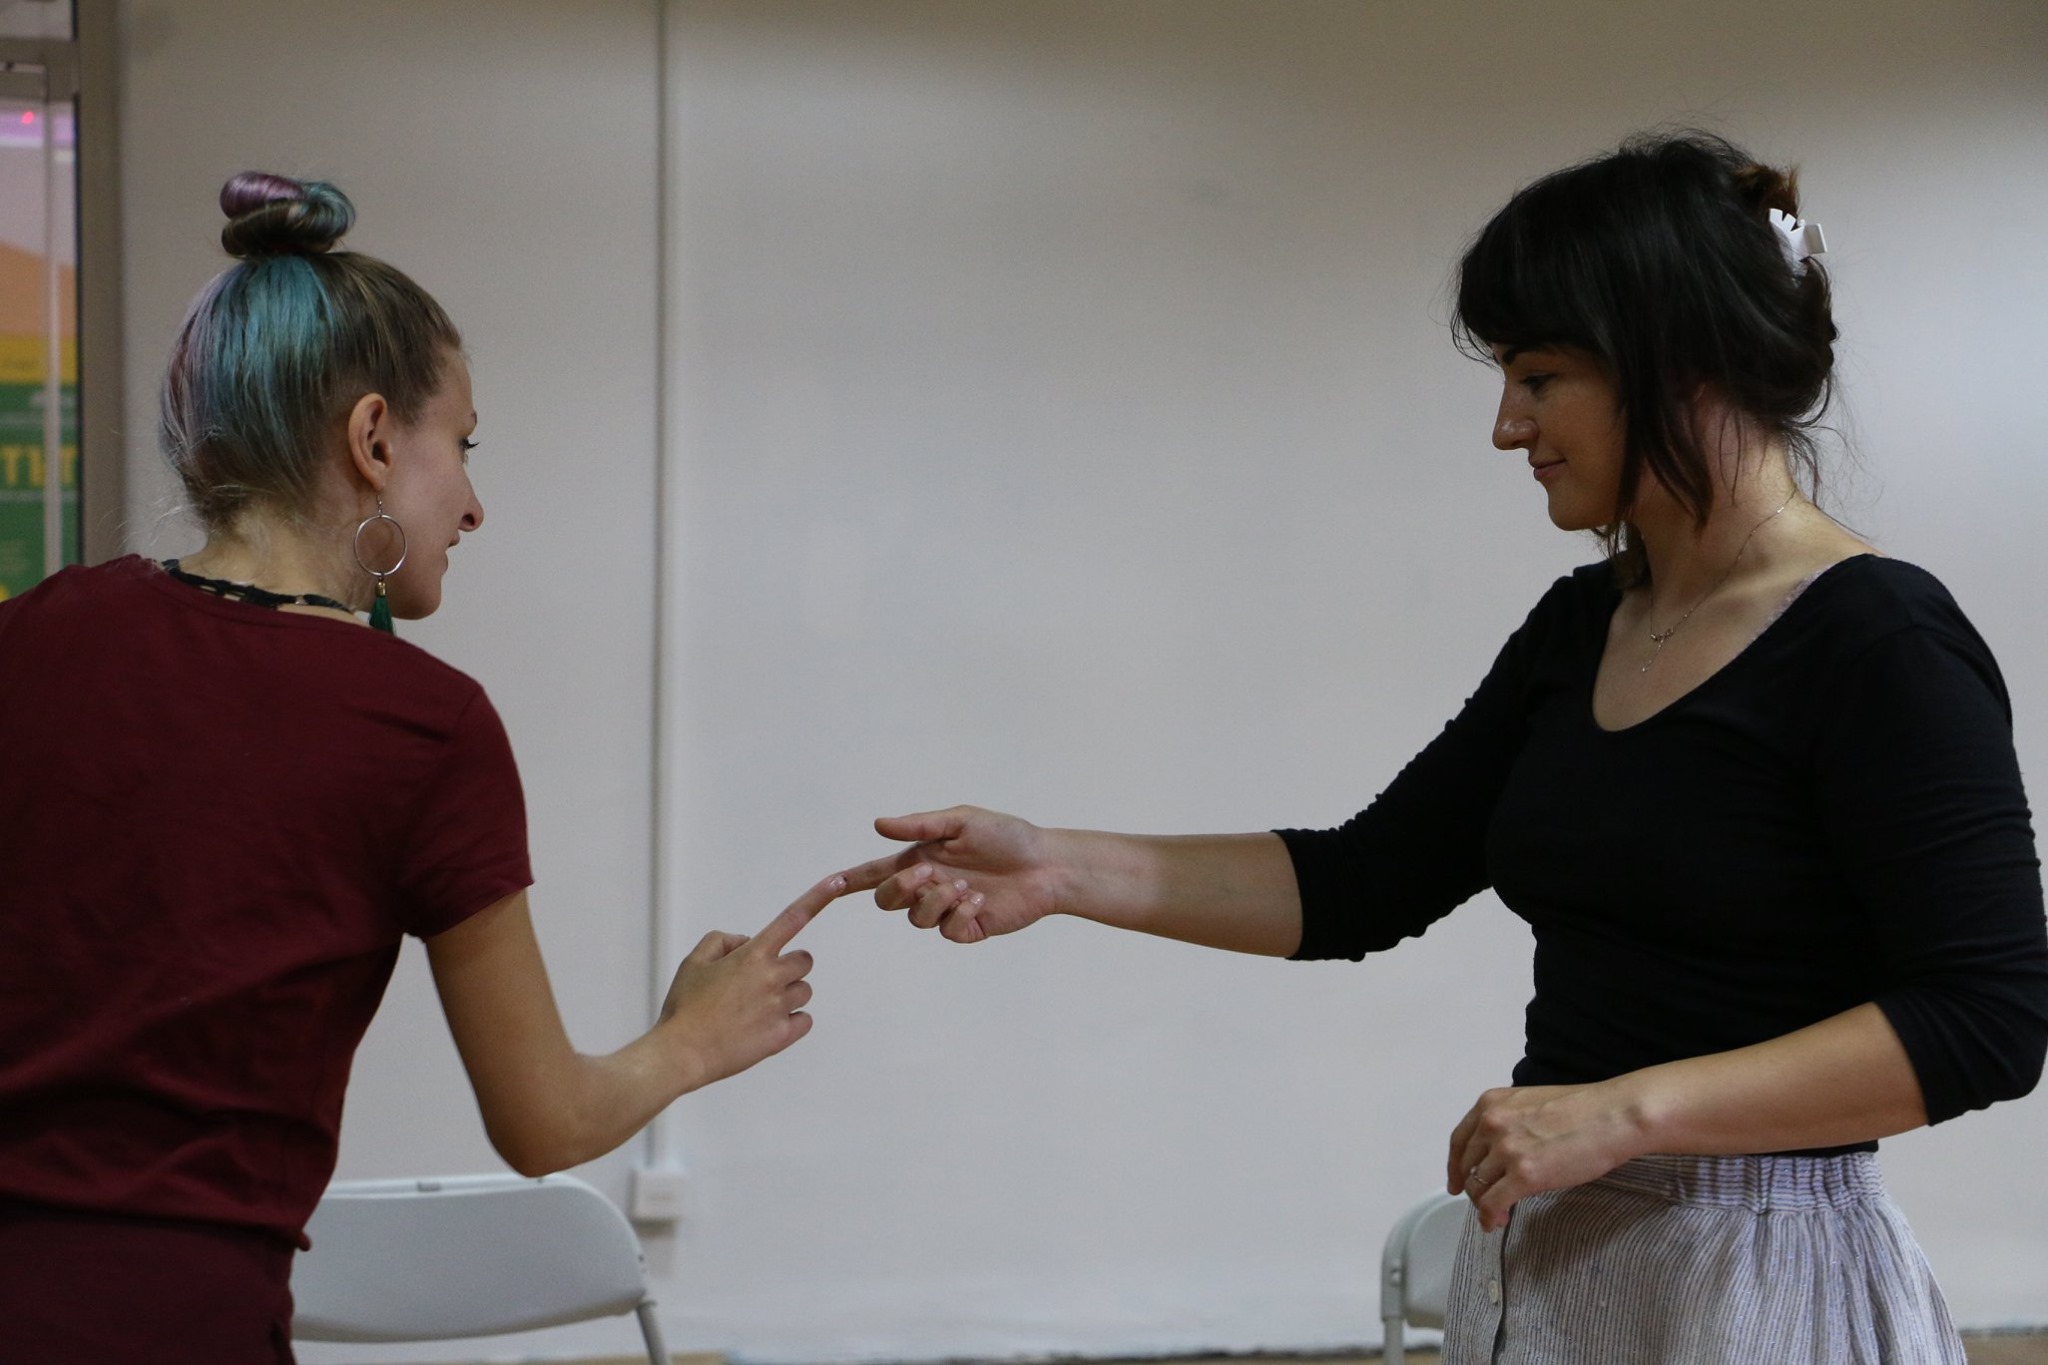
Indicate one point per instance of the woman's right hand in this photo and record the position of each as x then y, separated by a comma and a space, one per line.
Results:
737, 1000
969, 873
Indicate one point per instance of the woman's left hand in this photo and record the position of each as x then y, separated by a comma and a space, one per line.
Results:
1524, 1140
1844, 1080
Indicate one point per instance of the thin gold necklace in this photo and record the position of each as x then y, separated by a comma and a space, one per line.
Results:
1658, 637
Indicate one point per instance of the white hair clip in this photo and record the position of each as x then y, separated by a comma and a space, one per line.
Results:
1798, 239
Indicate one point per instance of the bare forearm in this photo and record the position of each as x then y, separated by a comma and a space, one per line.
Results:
974, 874
544, 1104
586, 1105
734, 1000
1234, 891
1844, 1080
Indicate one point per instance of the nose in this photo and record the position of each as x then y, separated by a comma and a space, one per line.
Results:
473, 515
1512, 430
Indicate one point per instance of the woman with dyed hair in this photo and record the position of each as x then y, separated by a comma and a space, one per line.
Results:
225, 802
1750, 782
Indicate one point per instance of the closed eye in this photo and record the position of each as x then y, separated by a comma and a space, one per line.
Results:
467, 446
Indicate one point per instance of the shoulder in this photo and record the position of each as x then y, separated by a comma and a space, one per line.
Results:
114, 578
1872, 612
1867, 597
1580, 601
1588, 591
1566, 626
1592, 583
406, 661
128, 614
405, 685
78, 598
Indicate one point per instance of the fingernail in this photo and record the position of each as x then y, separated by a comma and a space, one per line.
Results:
975, 901
960, 884
838, 883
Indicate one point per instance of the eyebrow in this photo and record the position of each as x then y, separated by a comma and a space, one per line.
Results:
1510, 354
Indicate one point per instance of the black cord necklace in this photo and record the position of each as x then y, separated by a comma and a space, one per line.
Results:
250, 593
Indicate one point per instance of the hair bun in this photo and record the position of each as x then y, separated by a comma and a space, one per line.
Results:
272, 215
1765, 188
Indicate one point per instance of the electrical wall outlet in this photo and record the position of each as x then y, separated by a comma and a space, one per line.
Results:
657, 1196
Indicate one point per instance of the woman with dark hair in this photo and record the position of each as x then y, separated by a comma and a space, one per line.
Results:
1751, 784
224, 804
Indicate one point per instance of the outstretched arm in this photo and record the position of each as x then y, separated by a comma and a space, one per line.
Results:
547, 1106
1841, 1081
973, 873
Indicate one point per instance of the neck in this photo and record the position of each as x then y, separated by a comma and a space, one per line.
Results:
289, 559
1687, 560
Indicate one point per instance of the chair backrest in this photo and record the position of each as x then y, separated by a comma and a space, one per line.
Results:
1415, 1267
462, 1256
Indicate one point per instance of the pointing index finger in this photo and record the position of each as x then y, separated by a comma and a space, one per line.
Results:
801, 911
871, 874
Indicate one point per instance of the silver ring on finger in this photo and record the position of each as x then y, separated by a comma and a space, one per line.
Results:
1472, 1177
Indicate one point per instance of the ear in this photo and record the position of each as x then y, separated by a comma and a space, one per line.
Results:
369, 440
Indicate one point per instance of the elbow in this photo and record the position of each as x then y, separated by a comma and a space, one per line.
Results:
2021, 1055
2001, 1064
2025, 1074
554, 1119
524, 1155
1975, 1040
2012, 1078
535, 1148
535, 1159
532, 1164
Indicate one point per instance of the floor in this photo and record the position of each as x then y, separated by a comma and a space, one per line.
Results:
2029, 1348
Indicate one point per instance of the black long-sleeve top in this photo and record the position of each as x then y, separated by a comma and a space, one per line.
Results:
1835, 817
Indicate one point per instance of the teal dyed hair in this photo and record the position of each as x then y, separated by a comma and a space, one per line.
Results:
278, 348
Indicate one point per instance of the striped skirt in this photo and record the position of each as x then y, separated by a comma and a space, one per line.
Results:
1681, 1260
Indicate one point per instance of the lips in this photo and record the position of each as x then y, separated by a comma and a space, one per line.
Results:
1546, 472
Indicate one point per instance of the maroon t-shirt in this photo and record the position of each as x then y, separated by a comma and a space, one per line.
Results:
217, 821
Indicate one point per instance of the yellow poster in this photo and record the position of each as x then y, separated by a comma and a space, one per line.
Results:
24, 352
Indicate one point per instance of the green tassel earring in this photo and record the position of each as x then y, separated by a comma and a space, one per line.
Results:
380, 610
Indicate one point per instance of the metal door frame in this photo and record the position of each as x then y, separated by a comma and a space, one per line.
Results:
82, 71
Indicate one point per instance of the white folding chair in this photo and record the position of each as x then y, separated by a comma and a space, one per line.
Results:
467, 1256
1415, 1269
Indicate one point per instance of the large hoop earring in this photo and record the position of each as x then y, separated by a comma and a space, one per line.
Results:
380, 610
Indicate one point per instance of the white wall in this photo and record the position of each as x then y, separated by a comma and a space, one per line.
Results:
1060, 417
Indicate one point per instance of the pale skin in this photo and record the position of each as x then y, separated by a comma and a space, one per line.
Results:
734, 1000
972, 874
546, 1106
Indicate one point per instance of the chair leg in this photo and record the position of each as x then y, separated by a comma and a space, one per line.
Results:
1395, 1352
650, 1328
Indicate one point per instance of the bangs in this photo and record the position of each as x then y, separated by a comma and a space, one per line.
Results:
1533, 277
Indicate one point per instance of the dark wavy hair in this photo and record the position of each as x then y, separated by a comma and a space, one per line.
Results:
1660, 261
279, 346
